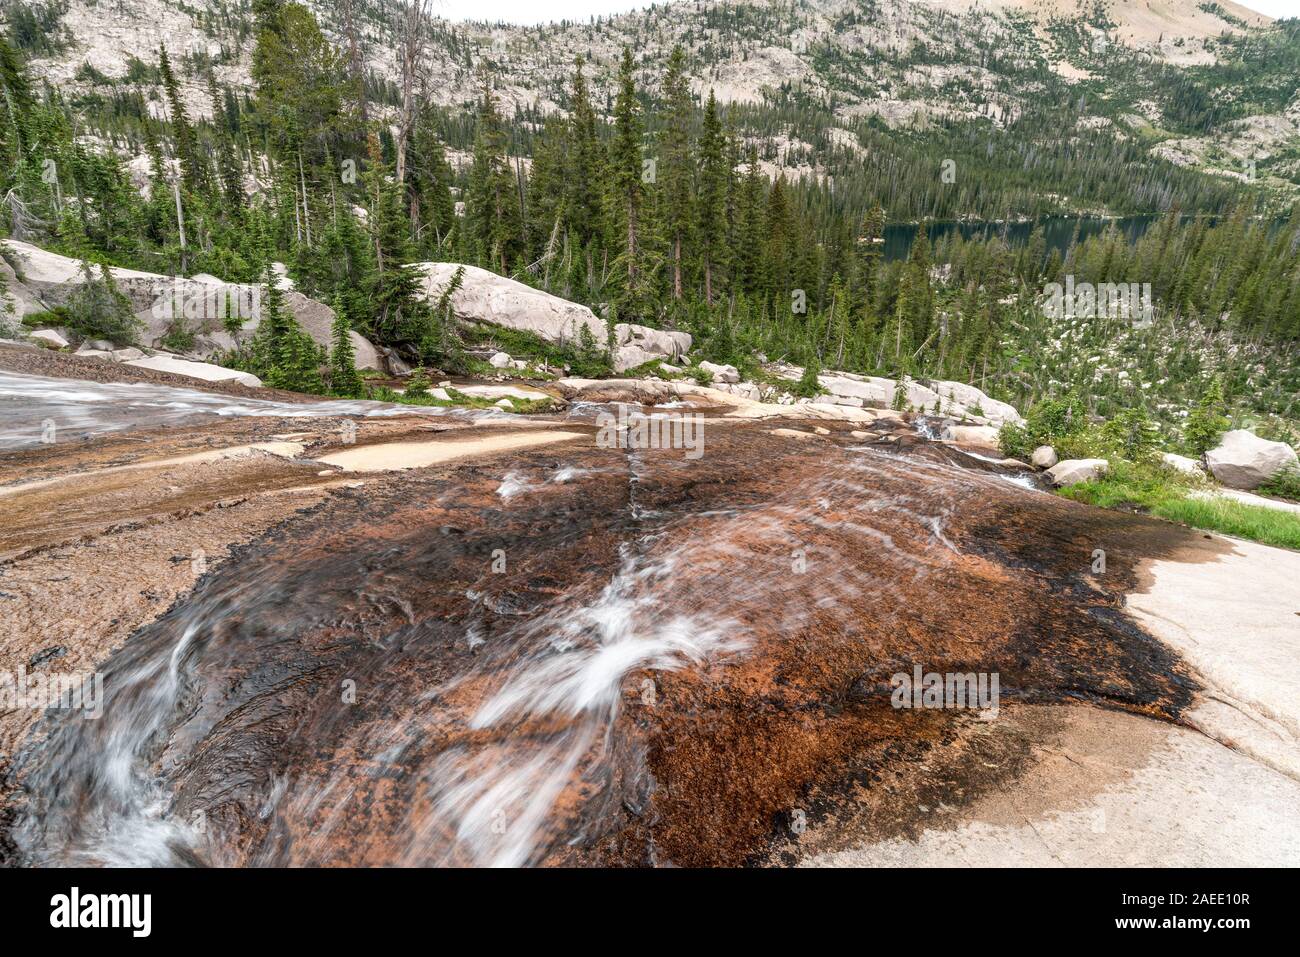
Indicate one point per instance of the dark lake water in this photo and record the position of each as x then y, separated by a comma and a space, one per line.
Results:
1058, 230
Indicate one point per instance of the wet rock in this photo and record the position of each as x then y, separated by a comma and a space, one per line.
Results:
1244, 460
46, 655
1044, 457
1073, 471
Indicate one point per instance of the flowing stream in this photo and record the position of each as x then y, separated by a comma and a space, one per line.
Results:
580, 656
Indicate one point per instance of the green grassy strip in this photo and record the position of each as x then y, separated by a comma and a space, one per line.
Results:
1166, 494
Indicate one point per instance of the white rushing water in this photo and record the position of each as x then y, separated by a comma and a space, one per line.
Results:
34, 407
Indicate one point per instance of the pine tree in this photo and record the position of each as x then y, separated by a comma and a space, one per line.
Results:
628, 195
1207, 422
747, 252
399, 316
492, 213
228, 165
193, 169
584, 171
677, 168
714, 172
344, 379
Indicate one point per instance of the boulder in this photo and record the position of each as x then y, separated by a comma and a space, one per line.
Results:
195, 370
126, 355
668, 370
86, 352
202, 302
974, 403
632, 355
955, 399
983, 435
746, 390
658, 341
721, 373
500, 360
1181, 463
16, 301
494, 392
486, 297
48, 338
1244, 460
1073, 471
1044, 457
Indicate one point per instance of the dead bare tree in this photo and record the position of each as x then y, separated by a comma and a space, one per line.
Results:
415, 37
355, 60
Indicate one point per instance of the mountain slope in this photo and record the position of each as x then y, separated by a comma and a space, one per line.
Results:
1175, 77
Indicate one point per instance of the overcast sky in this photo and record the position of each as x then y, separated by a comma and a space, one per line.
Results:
540, 11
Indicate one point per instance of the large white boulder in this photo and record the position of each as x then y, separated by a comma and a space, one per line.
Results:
984, 435
632, 355
721, 373
1244, 460
202, 302
500, 360
16, 301
1073, 471
49, 338
659, 341
747, 390
955, 399
1181, 463
1044, 457
486, 297
974, 403
195, 370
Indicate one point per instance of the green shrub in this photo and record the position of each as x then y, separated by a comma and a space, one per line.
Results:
1284, 484
808, 386
1207, 422
1061, 423
97, 310
1131, 434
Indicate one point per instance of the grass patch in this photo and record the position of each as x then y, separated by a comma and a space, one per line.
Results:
460, 400
1258, 523
1166, 493
588, 360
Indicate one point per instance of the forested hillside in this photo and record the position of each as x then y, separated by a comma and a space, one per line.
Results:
666, 188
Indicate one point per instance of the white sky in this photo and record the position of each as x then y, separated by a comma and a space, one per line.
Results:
541, 11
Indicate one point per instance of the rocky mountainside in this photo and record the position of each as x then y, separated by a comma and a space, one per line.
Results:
1141, 71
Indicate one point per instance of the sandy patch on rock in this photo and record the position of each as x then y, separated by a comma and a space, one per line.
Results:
393, 456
